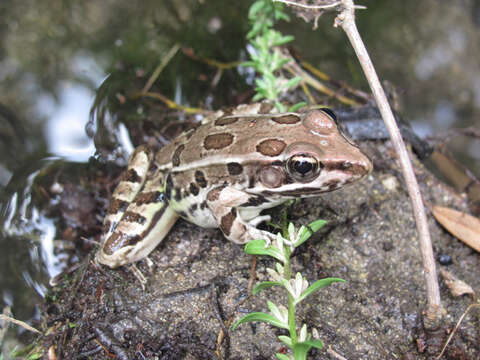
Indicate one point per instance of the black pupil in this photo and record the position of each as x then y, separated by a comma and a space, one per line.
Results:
303, 166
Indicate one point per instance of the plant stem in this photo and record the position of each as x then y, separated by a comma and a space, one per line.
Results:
346, 19
291, 320
291, 307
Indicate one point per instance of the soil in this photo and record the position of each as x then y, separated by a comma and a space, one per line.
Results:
197, 285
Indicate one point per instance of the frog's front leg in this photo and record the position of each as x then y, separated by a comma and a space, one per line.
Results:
237, 223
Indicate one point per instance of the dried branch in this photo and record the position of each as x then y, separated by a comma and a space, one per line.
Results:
346, 19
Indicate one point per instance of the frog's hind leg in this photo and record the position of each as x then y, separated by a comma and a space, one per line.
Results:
140, 221
129, 243
130, 184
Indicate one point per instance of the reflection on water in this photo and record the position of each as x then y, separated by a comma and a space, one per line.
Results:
27, 258
55, 58
65, 129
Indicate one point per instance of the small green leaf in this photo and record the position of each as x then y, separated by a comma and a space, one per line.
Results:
306, 232
257, 247
300, 351
291, 231
282, 16
273, 309
264, 285
317, 285
295, 107
283, 40
261, 83
317, 344
247, 64
279, 106
286, 340
258, 96
34, 356
255, 8
303, 333
282, 356
292, 82
283, 62
256, 29
262, 317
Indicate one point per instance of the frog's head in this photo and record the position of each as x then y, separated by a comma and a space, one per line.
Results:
319, 159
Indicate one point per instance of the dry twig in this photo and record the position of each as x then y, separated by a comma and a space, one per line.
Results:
346, 19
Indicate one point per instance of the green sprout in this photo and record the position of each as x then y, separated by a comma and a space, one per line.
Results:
266, 58
300, 341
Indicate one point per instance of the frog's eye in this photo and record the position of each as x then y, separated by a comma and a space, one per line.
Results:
303, 167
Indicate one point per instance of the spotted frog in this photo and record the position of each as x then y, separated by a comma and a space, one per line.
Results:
224, 173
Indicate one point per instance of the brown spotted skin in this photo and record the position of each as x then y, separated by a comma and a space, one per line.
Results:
224, 173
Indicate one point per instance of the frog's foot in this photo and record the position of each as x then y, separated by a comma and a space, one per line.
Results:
224, 202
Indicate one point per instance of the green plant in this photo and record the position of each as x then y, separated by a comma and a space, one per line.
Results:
266, 57
29, 352
300, 341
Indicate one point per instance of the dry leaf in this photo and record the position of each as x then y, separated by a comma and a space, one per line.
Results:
51, 353
465, 227
457, 287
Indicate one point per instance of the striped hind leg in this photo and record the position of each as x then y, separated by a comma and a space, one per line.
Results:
138, 217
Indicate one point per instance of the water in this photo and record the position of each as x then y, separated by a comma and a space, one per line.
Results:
53, 58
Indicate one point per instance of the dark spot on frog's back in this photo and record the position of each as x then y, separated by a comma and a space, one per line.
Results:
218, 141
131, 216
192, 208
176, 155
255, 201
168, 187
189, 133
117, 205
131, 176
271, 147
107, 225
200, 179
153, 167
225, 121
194, 189
287, 119
177, 194
227, 221
234, 168
119, 240
149, 197
214, 194
169, 181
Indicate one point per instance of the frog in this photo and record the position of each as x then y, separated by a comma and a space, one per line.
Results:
224, 173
